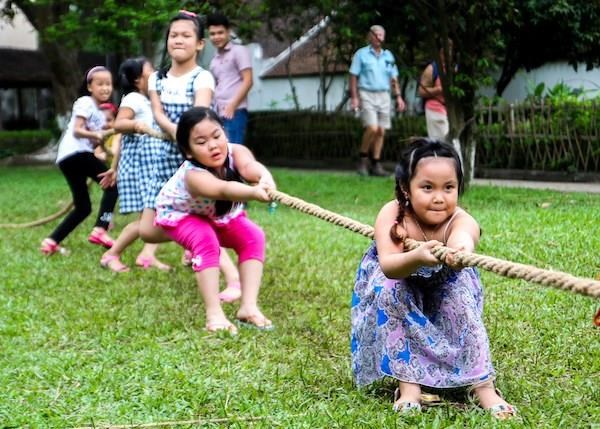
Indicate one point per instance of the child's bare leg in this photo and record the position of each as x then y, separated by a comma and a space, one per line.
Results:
487, 395
110, 258
409, 392
208, 286
233, 290
129, 234
251, 275
148, 231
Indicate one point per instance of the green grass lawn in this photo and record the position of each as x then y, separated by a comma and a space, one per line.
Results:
81, 346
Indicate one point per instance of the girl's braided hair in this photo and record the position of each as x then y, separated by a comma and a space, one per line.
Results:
405, 171
188, 120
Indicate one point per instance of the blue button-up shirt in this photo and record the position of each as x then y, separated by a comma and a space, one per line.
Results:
373, 71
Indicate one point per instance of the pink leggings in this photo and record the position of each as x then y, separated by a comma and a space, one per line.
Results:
204, 238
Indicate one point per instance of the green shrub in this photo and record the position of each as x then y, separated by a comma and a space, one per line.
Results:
23, 141
316, 135
553, 133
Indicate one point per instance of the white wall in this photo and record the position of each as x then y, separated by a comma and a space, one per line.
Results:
18, 34
551, 74
276, 93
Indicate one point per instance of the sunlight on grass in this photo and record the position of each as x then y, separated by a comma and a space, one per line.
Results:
83, 346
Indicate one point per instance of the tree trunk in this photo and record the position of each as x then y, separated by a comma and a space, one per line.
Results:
294, 94
65, 74
461, 134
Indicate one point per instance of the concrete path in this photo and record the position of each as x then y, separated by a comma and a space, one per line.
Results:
589, 187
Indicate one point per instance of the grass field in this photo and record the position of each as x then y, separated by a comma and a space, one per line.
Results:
81, 346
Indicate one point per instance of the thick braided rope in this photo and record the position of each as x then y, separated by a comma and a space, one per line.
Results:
510, 269
67, 207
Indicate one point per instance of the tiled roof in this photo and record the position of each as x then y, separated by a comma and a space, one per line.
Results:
23, 67
27, 68
304, 57
304, 61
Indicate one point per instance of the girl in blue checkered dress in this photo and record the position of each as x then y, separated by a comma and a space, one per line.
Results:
173, 90
135, 162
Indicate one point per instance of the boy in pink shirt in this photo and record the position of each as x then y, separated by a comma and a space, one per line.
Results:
232, 68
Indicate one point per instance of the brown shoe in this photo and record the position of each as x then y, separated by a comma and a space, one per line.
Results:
363, 167
378, 170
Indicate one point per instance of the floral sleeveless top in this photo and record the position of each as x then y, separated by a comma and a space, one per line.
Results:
174, 202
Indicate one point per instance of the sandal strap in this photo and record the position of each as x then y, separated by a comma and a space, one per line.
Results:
406, 407
497, 410
113, 262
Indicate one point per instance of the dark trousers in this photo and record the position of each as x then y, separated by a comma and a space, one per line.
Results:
76, 169
235, 128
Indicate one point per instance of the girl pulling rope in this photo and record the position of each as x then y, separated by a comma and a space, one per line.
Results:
413, 318
77, 162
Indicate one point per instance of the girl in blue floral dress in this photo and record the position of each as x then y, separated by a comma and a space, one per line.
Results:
413, 319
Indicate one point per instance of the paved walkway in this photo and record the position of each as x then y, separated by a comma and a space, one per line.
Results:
589, 187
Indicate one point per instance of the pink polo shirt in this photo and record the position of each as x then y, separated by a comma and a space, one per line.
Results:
226, 67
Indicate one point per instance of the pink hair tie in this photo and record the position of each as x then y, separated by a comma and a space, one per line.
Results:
188, 13
90, 73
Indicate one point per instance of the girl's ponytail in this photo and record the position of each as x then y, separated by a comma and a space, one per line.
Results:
397, 231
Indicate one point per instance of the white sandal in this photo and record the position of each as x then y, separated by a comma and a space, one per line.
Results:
497, 411
405, 407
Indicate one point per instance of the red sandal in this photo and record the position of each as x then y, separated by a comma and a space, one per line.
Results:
50, 247
100, 237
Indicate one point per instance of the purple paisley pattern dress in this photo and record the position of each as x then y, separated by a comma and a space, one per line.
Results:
425, 329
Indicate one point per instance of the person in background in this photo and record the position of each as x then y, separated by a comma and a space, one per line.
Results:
232, 69
109, 149
430, 89
373, 73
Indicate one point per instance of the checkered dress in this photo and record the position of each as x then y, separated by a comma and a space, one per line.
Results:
168, 158
138, 155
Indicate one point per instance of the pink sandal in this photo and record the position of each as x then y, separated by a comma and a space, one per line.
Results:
113, 263
100, 237
231, 293
50, 247
146, 262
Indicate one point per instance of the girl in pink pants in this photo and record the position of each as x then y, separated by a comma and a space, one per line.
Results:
201, 208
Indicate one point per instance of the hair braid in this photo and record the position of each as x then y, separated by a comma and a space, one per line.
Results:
397, 232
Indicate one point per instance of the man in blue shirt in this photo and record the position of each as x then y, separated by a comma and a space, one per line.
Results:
372, 74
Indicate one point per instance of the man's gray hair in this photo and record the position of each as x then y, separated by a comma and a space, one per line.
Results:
377, 28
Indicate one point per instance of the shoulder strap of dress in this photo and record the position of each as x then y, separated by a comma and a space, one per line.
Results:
158, 82
190, 82
449, 222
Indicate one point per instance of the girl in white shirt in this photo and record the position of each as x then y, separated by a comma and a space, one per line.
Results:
77, 162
